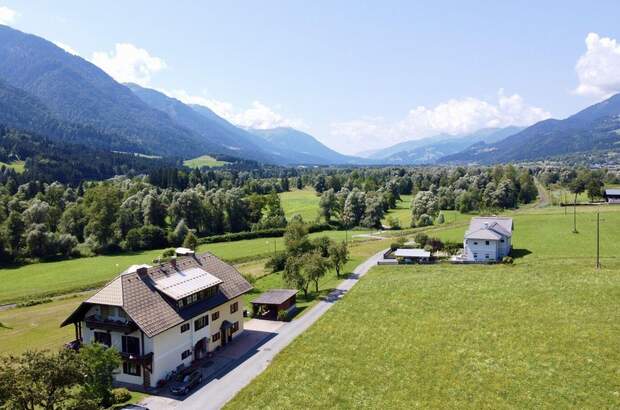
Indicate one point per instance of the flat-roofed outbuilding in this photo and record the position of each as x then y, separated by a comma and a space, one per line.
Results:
275, 304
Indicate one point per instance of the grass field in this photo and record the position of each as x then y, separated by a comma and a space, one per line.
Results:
542, 333
204, 161
37, 327
52, 278
303, 202
18, 166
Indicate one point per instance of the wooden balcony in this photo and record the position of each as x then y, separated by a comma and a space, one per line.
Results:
144, 360
97, 322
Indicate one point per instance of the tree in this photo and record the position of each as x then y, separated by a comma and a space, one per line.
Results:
320, 184
424, 203
38, 379
98, 364
328, 204
315, 267
354, 208
339, 256
180, 232
294, 276
73, 221
373, 211
102, 204
190, 241
153, 210
323, 245
14, 231
296, 239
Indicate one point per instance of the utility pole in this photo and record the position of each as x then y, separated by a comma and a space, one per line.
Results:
598, 236
575, 215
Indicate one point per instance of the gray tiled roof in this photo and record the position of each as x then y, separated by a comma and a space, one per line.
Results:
492, 227
152, 311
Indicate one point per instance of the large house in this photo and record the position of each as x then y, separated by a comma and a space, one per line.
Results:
164, 317
488, 239
612, 196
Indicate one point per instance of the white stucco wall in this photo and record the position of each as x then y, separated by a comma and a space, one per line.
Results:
478, 250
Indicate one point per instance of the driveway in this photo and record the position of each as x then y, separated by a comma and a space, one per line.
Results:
247, 359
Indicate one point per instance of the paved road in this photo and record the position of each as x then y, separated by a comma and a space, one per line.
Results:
219, 391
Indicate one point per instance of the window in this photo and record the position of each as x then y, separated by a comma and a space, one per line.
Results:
184, 327
132, 369
201, 322
475, 243
487, 242
234, 307
502, 241
235, 327
131, 345
215, 337
198, 296
215, 316
106, 311
486, 256
103, 338
475, 255
186, 354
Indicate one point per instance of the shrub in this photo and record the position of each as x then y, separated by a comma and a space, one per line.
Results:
424, 220
393, 222
421, 239
435, 244
34, 302
394, 246
168, 253
507, 260
452, 247
441, 219
282, 316
120, 395
277, 262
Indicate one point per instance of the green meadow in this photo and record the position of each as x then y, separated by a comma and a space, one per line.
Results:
18, 166
204, 161
542, 333
304, 202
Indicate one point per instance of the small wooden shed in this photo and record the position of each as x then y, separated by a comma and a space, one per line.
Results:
270, 304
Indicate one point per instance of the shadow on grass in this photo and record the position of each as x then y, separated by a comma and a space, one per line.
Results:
3, 326
519, 253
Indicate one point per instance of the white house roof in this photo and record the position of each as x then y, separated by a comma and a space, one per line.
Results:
182, 283
412, 253
489, 228
184, 251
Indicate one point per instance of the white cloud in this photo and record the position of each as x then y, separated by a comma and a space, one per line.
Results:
599, 68
128, 63
67, 48
258, 115
7, 15
455, 116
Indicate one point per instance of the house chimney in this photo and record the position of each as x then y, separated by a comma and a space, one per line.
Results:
141, 271
173, 262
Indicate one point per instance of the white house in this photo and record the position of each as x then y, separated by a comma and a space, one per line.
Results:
163, 317
488, 239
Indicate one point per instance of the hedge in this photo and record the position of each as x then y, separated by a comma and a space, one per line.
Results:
265, 233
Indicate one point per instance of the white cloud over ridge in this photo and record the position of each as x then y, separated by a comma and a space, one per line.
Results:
455, 117
598, 69
128, 63
7, 15
258, 115
67, 48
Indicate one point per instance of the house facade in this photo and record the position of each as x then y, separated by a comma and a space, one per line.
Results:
488, 239
164, 317
612, 196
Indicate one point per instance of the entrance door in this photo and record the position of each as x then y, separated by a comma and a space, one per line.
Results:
223, 336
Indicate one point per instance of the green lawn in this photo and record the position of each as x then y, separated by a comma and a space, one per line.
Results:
540, 334
52, 278
402, 212
18, 166
303, 202
204, 161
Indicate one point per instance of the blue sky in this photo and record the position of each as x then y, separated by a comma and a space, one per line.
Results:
357, 76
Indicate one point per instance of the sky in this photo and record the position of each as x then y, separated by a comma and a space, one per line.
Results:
356, 75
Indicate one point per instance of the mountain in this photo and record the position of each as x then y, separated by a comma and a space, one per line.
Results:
75, 92
222, 136
429, 150
595, 128
283, 140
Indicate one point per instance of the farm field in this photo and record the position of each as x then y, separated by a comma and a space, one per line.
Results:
53, 278
304, 202
204, 161
541, 333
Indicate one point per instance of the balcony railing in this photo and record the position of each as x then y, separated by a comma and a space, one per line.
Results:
97, 322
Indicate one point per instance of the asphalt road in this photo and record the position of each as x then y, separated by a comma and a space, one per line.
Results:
217, 392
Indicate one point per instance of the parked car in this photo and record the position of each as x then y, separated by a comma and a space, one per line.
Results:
185, 382
133, 407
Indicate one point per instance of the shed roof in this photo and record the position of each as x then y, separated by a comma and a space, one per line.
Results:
614, 192
412, 253
274, 297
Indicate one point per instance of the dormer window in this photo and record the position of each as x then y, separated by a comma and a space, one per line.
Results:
198, 296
